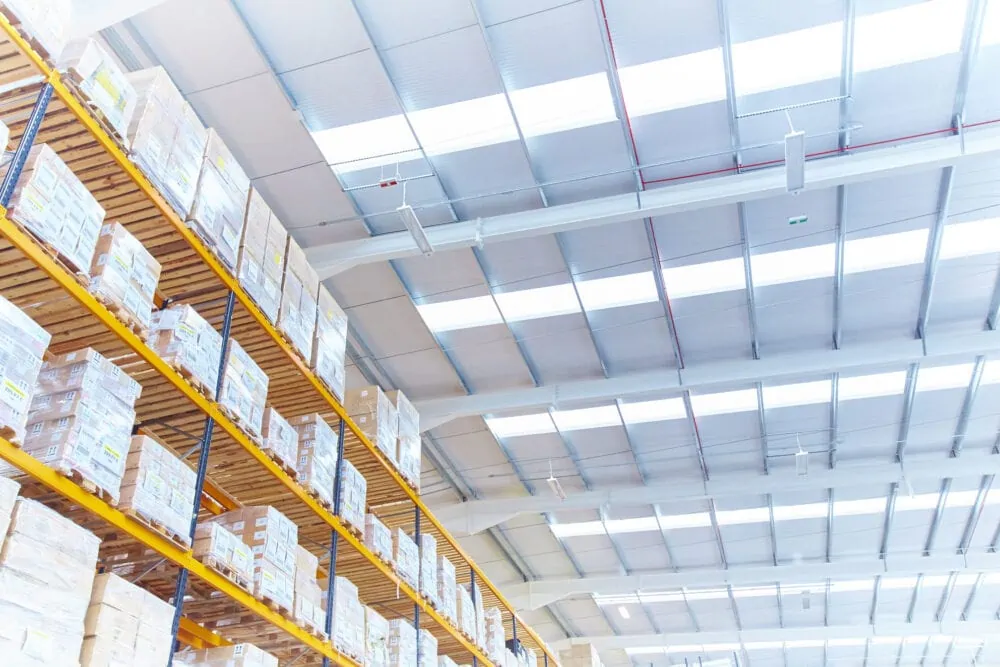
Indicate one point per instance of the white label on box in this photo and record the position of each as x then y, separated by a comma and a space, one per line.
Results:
111, 456
14, 395
37, 644
241, 557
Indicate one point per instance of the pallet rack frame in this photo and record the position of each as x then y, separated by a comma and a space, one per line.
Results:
51, 87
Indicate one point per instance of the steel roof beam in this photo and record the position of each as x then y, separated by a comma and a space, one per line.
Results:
905, 159
478, 515
539, 593
714, 375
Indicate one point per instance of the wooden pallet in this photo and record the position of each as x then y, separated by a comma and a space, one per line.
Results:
281, 463
323, 502
10, 435
180, 540
244, 426
192, 380
80, 273
28, 37
87, 485
276, 606
228, 572
124, 315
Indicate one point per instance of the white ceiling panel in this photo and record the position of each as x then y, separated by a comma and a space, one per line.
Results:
748, 22
305, 196
984, 99
488, 358
646, 31
489, 170
633, 339
560, 348
678, 143
731, 441
397, 22
713, 327
797, 316
583, 152
882, 304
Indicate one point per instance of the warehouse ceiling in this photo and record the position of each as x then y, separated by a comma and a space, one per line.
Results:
772, 416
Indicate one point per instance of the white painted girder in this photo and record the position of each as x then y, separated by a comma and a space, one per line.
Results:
706, 376
537, 594
964, 629
476, 516
906, 158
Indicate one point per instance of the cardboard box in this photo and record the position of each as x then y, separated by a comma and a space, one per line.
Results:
317, 458
261, 264
238, 655
353, 494
445, 661
466, 612
428, 568
55, 206
279, 438
299, 291
269, 533
479, 612
159, 487
494, 643
375, 416
402, 643
329, 352
408, 437
376, 639
102, 81
46, 576
406, 556
309, 597
47, 22
8, 496
214, 542
580, 655
428, 649
447, 588
166, 138
126, 625
22, 346
187, 342
220, 201
81, 418
124, 275
378, 538
244, 389
348, 619
408, 457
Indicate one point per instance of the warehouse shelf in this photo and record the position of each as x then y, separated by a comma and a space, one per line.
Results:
170, 407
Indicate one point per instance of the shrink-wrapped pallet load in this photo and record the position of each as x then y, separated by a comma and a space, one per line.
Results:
261, 264
299, 291
317, 459
375, 416
244, 389
123, 276
126, 625
191, 345
329, 353
21, 354
96, 74
158, 487
220, 201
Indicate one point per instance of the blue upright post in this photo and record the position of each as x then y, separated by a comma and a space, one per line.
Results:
334, 539
199, 486
25, 144
416, 607
475, 615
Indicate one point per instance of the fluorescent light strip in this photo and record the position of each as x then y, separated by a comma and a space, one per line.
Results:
840, 642
967, 239
757, 515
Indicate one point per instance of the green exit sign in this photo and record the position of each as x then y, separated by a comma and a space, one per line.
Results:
798, 220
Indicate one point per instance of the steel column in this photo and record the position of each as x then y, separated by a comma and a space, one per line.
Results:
206, 445
938, 515
25, 144
843, 143
904, 422
472, 594
958, 440
416, 606
331, 574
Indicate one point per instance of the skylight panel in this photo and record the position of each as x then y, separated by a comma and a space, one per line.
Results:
909, 34
653, 411
476, 311
769, 64
693, 520
531, 304
484, 121
797, 512
743, 400
742, 516
944, 377
579, 529
369, 144
968, 239
991, 25
871, 386
885, 251
617, 291
564, 105
788, 266
859, 507
674, 83
643, 524
919, 501
724, 275
991, 372
801, 393
512, 427
574, 420
852, 586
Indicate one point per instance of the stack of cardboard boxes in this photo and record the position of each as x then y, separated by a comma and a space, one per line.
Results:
187, 342
428, 568
244, 389
447, 587
375, 415
126, 625
279, 439
466, 613
317, 460
166, 138
309, 597
238, 655
158, 487
408, 438
402, 643
580, 655
22, 346
376, 639
124, 275
52, 202
47, 21
274, 540
406, 556
353, 493
330, 343
81, 418
100, 79
428, 649
220, 549
480, 613
445, 661
378, 538
262, 256
348, 619
8, 497
494, 643
220, 201
46, 575
299, 291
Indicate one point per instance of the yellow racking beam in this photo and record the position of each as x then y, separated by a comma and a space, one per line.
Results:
82, 114
160, 544
196, 636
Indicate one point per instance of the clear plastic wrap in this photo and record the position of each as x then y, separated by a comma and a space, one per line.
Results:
375, 415
317, 459
47, 22
244, 389
8, 496
406, 555
402, 643
378, 538
494, 642
279, 438
428, 568
376, 639
159, 487
238, 655
124, 275
428, 649
22, 347
102, 81
353, 492
580, 655
261, 263
126, 625
309, 597
466, 612
187, 342
329, 353
348, 619
408, 438
221, 549
220, 201
52, 202
274, 540
447, 589
299, 291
